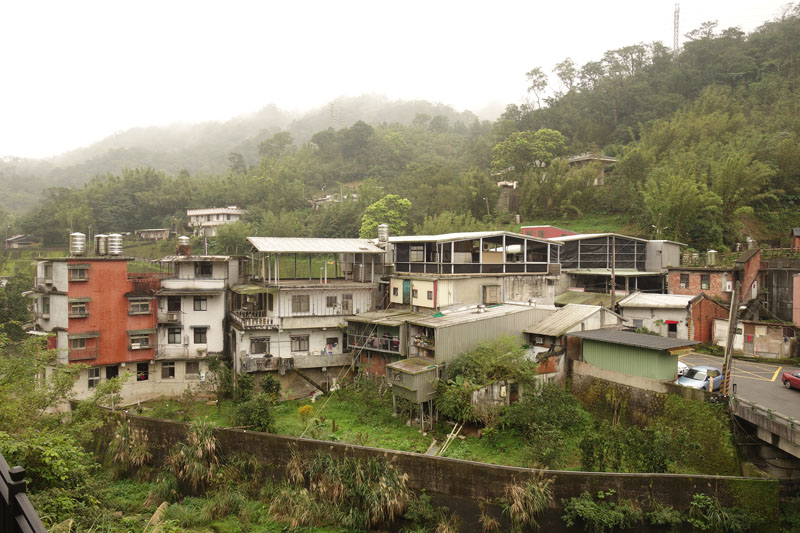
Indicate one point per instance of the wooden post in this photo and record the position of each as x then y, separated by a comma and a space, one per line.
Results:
732, 316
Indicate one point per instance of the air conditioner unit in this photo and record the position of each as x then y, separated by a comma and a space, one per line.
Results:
728, 286
173, 316
201, 352
486, 247
135, 346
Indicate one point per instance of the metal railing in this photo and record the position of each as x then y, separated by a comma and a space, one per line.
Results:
177, 351
17, 515
253, 319
384, 344
170, 317
83, 354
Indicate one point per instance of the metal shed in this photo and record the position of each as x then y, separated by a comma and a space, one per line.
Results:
635, 354
413, 378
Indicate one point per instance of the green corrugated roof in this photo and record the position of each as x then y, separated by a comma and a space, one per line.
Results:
585, 298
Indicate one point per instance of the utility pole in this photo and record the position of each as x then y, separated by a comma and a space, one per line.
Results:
613, 271
732, 319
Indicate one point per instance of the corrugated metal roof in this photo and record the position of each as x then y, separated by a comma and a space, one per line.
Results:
564, 319
302, 245
580, 297
185, 258
628, 338
468, 315
413, 365
663, 301
386, 317
463, 236
215, 210
584, 236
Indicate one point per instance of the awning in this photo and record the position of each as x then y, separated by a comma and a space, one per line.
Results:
87, 335
189, 292
141, 331
671, 322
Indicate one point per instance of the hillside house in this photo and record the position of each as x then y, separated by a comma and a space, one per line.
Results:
758, 338
673, 315
289, 317
153, 234
714, 275
103, 316
19, 241
601, 162
204, 222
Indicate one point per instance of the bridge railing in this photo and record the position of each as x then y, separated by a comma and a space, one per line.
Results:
785, 427
17, 515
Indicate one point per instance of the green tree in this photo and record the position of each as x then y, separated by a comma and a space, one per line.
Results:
391, 210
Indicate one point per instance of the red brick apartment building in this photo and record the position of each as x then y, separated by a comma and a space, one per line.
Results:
102, 316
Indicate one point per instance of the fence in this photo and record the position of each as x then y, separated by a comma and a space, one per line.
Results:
17, 515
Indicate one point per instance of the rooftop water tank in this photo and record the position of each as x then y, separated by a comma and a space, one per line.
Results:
115, 244
77, 244
183, 240
711, 257
383, 233
101, 244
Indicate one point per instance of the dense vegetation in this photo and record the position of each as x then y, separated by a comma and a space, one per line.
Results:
708, 143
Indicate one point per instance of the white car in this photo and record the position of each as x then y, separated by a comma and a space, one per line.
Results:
682, 368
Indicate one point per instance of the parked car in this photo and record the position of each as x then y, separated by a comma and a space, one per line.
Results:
682, 368
791, 380
702, 377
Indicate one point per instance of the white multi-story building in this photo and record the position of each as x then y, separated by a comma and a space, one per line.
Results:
191, 309
290, 318
204, 222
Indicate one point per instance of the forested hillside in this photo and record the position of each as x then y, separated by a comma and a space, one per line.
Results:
708, 143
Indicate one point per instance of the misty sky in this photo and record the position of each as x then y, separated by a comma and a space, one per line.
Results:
77, 71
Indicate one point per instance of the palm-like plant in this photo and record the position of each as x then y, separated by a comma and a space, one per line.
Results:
524, 502
196, 461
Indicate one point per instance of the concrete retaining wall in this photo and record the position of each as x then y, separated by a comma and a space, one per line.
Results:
453, 479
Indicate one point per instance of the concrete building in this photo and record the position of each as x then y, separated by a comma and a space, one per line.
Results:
639, 264
289, 317
19, 241
599, 161
204, 222
192, 304
548, 335
153, 234
673, 315
103, 316
634, 354
759, 339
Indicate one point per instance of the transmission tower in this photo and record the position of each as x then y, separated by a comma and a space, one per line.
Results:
675, 31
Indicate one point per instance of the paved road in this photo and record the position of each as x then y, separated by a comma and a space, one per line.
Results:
757, 382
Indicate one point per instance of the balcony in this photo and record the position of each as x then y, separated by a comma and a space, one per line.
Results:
45, 283
83, 354
424, 342
261, 364
324, 360
380, 344
178, 351
198, 284
170, 317
244, 319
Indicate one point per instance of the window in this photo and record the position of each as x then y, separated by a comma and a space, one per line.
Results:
430, 295
203, 269
300, 343
395, 291
332, 342
300, 303
78, 309
705, 281
347, 303
259, 345
417, 253
174, 336
139, 307
192, 368
200, 303
112, 371
94, 377
173, 303
48, 271
78, 274
331, 301
684, 281
140, 341
168, 370
227, 217
414, 293
638, 323
200, 335
45, 305
270, 301
142, 371
77, 344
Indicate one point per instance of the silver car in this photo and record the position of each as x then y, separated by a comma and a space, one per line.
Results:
702, 377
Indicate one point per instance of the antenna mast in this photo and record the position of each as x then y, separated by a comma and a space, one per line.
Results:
675, 30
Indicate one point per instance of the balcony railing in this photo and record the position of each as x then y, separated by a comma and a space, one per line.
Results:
170, 317
424, 343
177, 351
208, 284
381, 344
253, 319
42, 282
83, 354
16, 512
